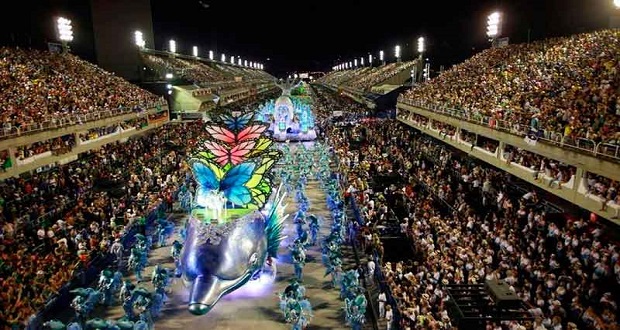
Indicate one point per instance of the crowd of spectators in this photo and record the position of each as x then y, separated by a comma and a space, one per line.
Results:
54, 223
567, 86
202, 73
57, 146
379, 75
365, 77
466, 227
40, 89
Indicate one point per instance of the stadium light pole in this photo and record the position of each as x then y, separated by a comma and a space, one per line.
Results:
369, 59
381, 57
195, 51
245, 62
362, 61
172, 46
397, 53
223, 58
232, 60
65, 32
355, 62
239, 61
493, 27
421, 46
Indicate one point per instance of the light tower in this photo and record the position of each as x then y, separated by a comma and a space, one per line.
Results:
65, 32
195, 51
172, 46
494, 27
381, 58
397, 53
421, 46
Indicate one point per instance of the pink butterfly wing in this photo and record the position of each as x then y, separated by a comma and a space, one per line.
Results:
238, 153
221, 133
251, 132
220, 152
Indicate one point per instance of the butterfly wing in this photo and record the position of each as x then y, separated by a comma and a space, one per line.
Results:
204, 174
267, 161
241, 152
221, 134
237, 123
234, 181
207, 176
262, 144
221, 154
251, 132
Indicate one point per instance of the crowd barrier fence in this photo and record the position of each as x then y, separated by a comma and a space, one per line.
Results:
597, 149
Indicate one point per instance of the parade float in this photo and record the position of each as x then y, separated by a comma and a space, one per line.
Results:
290, 116
235, 223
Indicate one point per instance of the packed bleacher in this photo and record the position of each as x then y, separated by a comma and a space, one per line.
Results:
41, 90
202, 73
364, 78
466, 227
565, 89
54, 223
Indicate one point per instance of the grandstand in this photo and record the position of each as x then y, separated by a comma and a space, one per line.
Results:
371, 85
553, 100
201, 84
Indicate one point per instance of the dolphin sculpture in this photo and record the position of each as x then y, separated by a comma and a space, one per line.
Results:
219, 258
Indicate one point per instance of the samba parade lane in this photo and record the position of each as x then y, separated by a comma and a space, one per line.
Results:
256, 304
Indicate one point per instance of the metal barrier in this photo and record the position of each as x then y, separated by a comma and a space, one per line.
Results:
520, 129
67, 120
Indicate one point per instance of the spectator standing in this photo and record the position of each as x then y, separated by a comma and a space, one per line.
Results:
382, 300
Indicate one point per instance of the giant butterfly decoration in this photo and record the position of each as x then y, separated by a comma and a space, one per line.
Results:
236, 160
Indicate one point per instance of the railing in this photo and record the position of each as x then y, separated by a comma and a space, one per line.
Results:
596, 149
64, 121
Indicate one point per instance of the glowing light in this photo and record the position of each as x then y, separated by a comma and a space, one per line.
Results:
211, 55
172, 46
195, 51
223, 58
421, 45
493, 25
397, 51
139, 38
65, 29
380, 55
169, 75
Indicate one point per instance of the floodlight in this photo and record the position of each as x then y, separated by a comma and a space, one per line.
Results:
223, 58
65, 29
232, 60
139, 38
380, 55
397, 51
195, 51
211, 55
169, 75
355, 62
362, 61
421, 45
369, 59
172, 46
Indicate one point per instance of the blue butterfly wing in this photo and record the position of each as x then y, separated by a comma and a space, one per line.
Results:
205, 176
238, 123
233, 183
238, 195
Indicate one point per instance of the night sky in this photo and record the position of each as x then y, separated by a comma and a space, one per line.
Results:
313, 35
